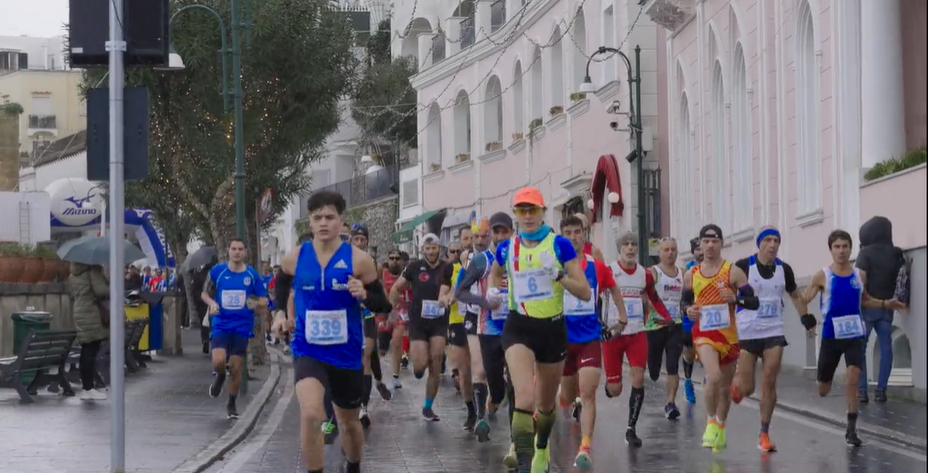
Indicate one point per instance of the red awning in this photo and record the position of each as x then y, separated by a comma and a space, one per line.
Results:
605, 177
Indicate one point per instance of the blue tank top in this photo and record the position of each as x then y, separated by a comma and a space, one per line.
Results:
329, 323
232, 292
840, 305
582, 321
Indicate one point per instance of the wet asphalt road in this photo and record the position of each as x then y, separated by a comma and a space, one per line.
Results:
401, 442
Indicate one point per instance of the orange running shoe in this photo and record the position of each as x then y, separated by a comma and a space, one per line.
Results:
764, 444
736, 396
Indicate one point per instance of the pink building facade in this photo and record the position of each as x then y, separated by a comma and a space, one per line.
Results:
499, 109
777, 108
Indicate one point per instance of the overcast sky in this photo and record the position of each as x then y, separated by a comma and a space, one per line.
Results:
41, 18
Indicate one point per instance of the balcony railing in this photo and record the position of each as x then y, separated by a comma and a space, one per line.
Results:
43, 122
438, 48
467, 32
497, 15
361, 189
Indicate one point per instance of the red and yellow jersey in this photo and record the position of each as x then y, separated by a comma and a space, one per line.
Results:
716, 323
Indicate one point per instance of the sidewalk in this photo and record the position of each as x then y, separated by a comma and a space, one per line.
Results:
169, 418
899, 421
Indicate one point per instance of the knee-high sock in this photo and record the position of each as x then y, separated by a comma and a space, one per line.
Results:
523, 429
366, 393
375, 366
480, 398
635, 400
544, 422
687, 369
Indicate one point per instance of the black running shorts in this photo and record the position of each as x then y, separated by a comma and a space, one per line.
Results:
346, 386
424, 330
457, 335
830, 353
758, 346
665, 344
546, 338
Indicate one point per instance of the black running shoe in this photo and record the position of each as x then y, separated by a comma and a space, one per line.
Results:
206, 348
404, 362
852, 439
671, 412
863, 397
631, 438
880, 396
384, 391
215, 388
429, 415
232, 411
470, 422
364, 417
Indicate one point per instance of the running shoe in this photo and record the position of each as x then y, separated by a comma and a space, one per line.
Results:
404, 363
397, 384
482, 429
364, 417
231, 411
631, 438
330, 429
688, 391
215, 388
584, 458
711, 433
736, 396
852, 439
470, 422
863, 397
720, 441
541, 462
880, 396
385, 393
510, 460
576, 408
671, 412
764, 443
429, 415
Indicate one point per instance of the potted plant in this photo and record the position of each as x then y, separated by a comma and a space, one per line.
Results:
33, 267
517, 136
435, 167
556, 110
537, 122
11, 262
462, 157
494, 146
577, 96
49, 263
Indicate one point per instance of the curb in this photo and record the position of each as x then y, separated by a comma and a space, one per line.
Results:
242, 427
874, 431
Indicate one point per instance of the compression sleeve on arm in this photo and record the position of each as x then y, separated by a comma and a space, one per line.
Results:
746, 298
376, 300
471, 276
282, 288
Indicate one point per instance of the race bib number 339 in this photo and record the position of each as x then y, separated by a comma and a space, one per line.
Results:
326, 327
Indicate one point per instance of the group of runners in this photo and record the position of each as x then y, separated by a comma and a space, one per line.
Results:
538, 318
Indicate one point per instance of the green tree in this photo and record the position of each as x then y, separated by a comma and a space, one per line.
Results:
384, 102
296, 63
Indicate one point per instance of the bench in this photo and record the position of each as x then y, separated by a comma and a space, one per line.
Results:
134, 331
40, 351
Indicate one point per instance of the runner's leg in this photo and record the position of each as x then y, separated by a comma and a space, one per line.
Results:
309, 394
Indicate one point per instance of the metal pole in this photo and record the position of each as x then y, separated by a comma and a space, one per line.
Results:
117, 47
642, 238
239, 138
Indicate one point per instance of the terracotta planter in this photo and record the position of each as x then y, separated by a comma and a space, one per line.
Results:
64, 270
49, 270
32, 270
10, 268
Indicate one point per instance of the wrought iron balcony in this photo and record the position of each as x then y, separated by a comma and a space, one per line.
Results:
497, 15
467, 32
438, 48
361, 189
43, 122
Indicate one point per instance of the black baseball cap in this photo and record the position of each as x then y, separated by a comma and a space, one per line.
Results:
694, 244
710, 231
359, 229
500, 219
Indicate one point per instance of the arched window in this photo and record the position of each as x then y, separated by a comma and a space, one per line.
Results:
410, 44
808, 166
493, 115
742, 150
518, 102
557, 70
433, 137
687, 207
462, 131
538, 101
579, 49
720, 166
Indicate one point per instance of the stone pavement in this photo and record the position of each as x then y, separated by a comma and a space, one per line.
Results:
169, 418
400, 442
896, 420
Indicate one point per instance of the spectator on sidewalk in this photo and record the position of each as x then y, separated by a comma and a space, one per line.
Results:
90, 290
133, 278
882, 261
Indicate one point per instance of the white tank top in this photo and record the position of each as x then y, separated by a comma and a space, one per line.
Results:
670, 289
767, 320
632, 287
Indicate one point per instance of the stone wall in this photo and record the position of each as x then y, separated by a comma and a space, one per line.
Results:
9, 152
380, 218
50, 297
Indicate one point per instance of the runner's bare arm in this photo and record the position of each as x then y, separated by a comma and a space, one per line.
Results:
596, 253
745, 296
288, 262
818, 281
619, 303
496, 275
397, 289
575, 281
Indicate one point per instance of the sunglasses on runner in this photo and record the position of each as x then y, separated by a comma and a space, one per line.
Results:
527, 211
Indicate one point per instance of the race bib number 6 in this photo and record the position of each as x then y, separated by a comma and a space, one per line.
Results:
532, 285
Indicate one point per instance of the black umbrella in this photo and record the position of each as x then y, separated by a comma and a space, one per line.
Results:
205, 256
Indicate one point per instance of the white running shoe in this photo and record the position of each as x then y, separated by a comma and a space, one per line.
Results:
92, 395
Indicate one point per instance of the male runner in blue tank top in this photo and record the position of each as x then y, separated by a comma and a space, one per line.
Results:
232, 291
842, 288
331, 279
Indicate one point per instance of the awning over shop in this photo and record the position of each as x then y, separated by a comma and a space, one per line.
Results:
404, 234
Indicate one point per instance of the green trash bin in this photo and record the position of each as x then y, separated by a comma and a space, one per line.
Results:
23, 322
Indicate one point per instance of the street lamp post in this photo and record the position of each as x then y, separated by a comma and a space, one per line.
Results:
634, 124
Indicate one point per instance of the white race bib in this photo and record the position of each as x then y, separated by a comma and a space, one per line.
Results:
714, 317
503, 311
673, 308
848, 326
769, 308
326, 327
634, 308
574, 306
462, 308
404, 315
532, 285
432, 310
233, 300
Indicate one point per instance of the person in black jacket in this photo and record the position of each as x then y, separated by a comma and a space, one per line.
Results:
881, 260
